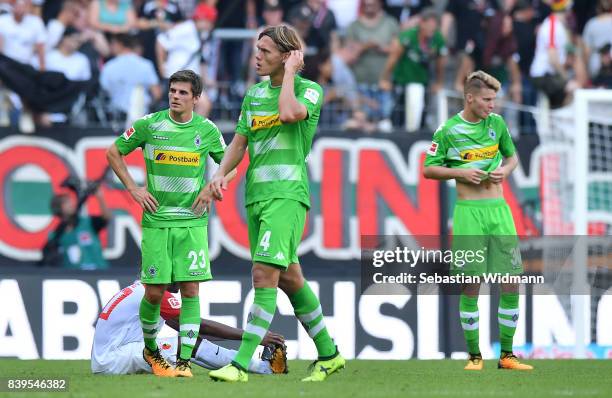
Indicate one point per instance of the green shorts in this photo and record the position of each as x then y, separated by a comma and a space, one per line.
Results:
275, 231
176, 254
484, 239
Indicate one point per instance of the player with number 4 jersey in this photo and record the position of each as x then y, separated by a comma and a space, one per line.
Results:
277, 123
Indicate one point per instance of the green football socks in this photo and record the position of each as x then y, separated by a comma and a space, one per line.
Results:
308, 310
149, 318
189, 320
468, 312
260, 317
507, 318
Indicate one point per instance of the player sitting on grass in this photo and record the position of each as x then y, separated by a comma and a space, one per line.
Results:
475, 149
118, 341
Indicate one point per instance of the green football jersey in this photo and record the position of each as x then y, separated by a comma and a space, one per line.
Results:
278, 151
462, 144
175, 156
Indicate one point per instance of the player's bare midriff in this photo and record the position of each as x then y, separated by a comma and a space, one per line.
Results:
485, 190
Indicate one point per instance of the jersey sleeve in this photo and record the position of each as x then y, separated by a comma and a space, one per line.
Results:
132, 138
242, 127
506, 146
436, 154
217, 148
170, 306
311, 95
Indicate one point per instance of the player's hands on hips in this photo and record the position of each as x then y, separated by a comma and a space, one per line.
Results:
144, 199
473, 176
202, 202
273, 338
497, 176
295, 61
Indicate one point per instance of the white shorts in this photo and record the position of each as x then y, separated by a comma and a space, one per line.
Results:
128, 359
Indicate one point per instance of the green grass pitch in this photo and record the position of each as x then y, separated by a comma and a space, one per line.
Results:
413, 378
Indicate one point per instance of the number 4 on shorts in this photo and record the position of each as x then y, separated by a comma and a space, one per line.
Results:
265, 240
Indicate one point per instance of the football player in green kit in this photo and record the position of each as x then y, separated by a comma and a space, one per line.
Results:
175, 143
475, 149
277, 123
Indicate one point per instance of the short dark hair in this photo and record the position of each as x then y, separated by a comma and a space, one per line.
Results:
126, 40
188, 76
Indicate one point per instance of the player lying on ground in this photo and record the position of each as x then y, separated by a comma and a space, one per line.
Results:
118, 343
475, 149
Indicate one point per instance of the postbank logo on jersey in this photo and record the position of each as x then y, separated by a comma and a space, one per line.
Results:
265, 122
176, 158
475, 154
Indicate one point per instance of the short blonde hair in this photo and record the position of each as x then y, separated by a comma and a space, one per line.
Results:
284, 36
479, 80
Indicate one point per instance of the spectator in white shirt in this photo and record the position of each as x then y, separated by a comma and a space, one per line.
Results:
128, 70
23, 35
67, 16
66, 59
550, 66
179, 48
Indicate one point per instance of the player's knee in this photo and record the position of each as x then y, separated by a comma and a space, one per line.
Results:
189, 289
264, 276
154, 293
291, 282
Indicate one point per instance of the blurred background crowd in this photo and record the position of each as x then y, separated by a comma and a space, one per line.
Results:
105, 62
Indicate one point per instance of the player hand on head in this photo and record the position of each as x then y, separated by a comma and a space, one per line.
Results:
144, 199
273, 338
473, 176
295, 61
202, 202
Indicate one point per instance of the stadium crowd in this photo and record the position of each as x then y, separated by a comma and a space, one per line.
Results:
109, 60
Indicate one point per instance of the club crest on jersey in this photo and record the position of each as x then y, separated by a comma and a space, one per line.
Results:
152, 271
433, 149
128, 133
492, 134
197, 141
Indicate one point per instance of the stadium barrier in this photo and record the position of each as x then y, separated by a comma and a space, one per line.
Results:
52, 316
